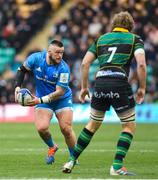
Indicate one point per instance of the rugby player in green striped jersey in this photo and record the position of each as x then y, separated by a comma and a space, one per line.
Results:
114, 51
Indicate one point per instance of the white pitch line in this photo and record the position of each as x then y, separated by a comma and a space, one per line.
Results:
39, 150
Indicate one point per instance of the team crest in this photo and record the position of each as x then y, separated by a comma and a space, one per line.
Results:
55, 75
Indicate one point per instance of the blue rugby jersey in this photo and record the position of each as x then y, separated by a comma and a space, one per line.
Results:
48, 76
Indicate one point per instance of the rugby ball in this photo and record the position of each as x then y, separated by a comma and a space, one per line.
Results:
24, 95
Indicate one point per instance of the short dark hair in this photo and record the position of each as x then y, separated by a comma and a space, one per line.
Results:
57, 43
123, 20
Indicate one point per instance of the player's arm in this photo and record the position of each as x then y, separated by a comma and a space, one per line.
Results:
87, 61
19, 79
48, 98
141, 71
53, 96
61, 85
27, 66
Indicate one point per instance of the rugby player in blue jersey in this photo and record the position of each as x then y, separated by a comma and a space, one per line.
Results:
53, 94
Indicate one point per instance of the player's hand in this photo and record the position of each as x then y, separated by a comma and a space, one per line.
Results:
17, 89
34, 101
140, 95
83, 94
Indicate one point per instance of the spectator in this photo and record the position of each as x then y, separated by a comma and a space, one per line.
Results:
77, 32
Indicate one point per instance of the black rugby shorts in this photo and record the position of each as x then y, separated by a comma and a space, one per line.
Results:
112, 92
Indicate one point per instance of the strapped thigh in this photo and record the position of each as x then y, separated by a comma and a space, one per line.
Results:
96, 115
127, 116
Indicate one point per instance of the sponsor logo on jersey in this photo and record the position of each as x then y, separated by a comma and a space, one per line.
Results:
110, 73
45, 80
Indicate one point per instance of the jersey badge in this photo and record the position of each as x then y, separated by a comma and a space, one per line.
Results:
64, 77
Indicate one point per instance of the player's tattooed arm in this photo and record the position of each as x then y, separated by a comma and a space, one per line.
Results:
48, 98
53, 96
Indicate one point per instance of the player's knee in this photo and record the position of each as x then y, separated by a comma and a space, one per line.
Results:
127, 116
93, 126
127, 119
66, 131
41, 128
97, 116
129, 127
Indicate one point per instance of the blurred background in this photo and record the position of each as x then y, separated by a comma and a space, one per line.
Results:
27, 26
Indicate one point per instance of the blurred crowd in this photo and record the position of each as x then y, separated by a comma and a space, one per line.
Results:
19, 21
86, 20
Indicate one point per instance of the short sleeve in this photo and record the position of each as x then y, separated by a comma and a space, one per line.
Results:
64, 77
139, 44
30, 61
93, 48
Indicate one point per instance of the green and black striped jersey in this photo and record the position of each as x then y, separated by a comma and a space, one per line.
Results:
115, 50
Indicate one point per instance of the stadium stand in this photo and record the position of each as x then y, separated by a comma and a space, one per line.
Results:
86, 20
20, 20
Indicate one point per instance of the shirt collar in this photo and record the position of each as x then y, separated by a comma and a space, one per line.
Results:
120, 29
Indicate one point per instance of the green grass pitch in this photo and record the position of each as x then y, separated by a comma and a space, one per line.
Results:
22, 153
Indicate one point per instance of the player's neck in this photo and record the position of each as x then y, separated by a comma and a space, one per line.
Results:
49, 62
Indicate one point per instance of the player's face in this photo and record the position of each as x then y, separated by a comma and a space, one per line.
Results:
55, 54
